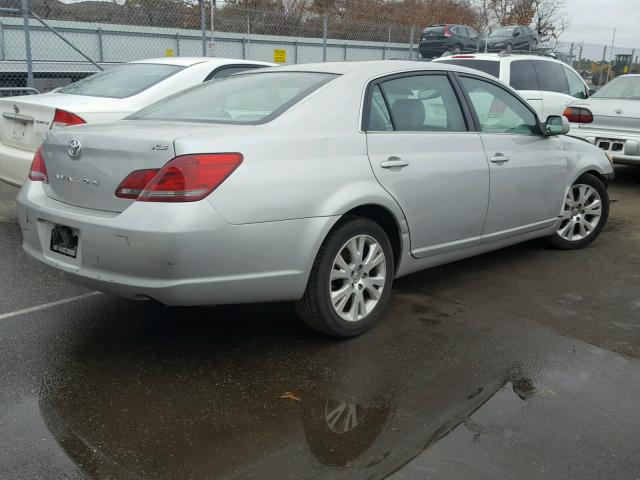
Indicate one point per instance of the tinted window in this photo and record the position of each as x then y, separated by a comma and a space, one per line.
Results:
437, 29
492, 67
498, 110
122, 81
621, 87
576, 87
226, 71
463, 31
551, 77
244, 98
523, 76
502, 32
379, 117
424, 103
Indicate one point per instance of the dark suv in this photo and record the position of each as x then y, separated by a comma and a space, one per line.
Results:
438, 39
512, 38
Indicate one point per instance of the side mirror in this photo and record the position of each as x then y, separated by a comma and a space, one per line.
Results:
556, 125
592, 91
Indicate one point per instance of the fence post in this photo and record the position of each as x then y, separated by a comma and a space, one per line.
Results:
203, 26
27, 42
244, 48
100, 51
325, 33
2, 54
571, 54
178, 44
384, 52
345, 52
411, 40
295, 51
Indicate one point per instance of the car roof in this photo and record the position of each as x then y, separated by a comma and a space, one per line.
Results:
499, 56
372, 68
189, 61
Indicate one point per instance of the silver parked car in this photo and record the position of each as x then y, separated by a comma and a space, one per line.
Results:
610, 119
318, 184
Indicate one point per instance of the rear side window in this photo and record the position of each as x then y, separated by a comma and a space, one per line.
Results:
239, 99
551, 77
523, 75
379, 116
122, 81
437, 29
423, 103
492, 67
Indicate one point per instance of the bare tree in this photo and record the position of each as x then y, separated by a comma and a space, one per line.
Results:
550, 20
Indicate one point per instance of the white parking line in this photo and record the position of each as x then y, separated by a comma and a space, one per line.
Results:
44, 306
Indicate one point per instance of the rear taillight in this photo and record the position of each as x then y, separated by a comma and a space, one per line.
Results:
578, 115
132, 186
187, 178
38, 172
62, 118
447, 32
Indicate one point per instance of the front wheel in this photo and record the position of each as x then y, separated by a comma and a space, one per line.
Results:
350, 281
584, 214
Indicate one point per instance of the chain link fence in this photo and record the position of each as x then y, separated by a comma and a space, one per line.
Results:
46, 44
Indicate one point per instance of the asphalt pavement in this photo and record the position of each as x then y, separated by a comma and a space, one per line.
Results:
518, 364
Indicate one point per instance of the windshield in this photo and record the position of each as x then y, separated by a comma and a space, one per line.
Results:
492, 67
242, 98
621, 87
122, 81
502, 32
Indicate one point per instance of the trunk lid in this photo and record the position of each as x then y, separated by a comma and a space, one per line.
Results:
25, 120
612, 114
108, 153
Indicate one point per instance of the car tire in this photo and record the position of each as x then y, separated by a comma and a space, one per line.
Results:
458, 48
580, 214
354, 289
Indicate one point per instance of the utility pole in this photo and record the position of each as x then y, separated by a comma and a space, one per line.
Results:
613, 41
27, 42
213, 29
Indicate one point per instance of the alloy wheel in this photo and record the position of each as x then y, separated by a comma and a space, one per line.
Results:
357, 278
581, 214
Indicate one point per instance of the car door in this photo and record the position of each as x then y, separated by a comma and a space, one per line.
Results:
527, 169
553, 82
423, 153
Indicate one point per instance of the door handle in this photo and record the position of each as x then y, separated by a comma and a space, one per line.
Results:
393, 162
499, 159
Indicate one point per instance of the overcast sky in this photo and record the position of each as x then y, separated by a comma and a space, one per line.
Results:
593, 21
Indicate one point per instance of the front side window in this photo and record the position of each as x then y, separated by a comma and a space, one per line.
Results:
122, 81
551, 77
576, 87
423, 103
498, 111
523, 76
238, 99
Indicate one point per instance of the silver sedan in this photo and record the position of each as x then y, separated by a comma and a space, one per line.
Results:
318, 184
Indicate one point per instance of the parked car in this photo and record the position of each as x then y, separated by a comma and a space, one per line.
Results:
516, 37
610, 119
438, 39
104, 97
318, 184
546, 83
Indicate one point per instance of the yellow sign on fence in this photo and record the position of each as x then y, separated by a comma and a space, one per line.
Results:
279, 56
169, 52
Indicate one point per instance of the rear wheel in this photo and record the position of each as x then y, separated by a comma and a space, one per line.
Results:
350, 281
584, 214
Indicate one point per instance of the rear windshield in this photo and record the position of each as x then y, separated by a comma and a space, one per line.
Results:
502, 32
621, 87
438, 29
492, 67
122, 81
241, 98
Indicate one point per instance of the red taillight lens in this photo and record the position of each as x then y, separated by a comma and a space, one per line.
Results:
132, 186
63, 118
578, 115
187, 178
38, 172
447, 32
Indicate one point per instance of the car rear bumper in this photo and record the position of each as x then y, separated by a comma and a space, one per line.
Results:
14, 164
630, 153
178, 254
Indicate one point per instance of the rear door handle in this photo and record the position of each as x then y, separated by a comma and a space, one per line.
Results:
393, 162
499, 159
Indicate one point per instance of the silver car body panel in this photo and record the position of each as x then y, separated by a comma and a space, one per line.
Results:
256, 236
615, 121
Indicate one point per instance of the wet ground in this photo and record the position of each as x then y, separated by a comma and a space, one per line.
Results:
520, 364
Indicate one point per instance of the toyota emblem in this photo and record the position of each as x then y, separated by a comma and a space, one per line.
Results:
74, 148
